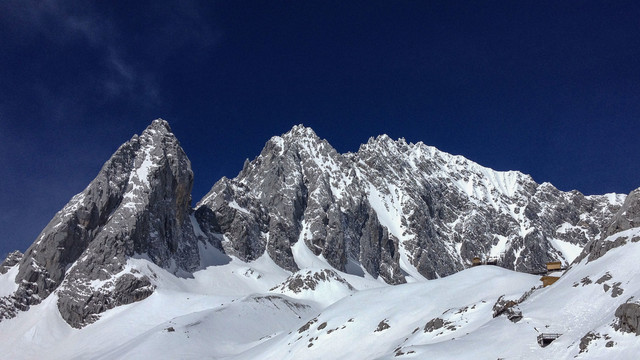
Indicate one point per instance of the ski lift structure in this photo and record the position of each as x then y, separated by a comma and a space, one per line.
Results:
545, 339
553, 273
550, 274
555, 266
476, 261
490, 260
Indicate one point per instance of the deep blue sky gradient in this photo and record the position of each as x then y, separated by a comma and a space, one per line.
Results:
552, 90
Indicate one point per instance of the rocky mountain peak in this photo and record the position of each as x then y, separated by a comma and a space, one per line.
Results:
628, 216
12, 259
138, 205
393, 210
262, 208
300, 131
378, 142
299, 142
615, 232
160, 125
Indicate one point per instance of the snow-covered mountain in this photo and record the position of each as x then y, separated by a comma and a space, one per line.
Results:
396, 209
304, 255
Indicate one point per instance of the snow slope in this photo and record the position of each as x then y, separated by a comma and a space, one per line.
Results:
239, 311
373, 323
255, 272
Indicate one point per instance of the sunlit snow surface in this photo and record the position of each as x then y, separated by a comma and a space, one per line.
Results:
237, 310
7, 282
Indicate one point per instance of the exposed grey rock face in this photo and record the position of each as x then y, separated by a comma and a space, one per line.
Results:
82, 303
510, 307
310, 280
590, 337
628, 318
138, 205
12, 259
627, 217
391, 209
394, 208
437, 324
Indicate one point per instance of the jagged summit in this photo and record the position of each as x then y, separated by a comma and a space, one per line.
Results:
394, 211
300, 131
160, 125
157, 128
138, 205
395, 208
379, 140
278, 261
299, 139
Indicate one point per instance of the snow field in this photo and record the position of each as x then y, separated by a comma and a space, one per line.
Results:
228, 311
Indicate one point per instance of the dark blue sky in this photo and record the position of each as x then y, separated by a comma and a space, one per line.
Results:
552, 90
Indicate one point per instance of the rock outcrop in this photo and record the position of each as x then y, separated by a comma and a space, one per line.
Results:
310, 280
392, 209
395, 208
138, 205
12, 259
626, 218
628, 318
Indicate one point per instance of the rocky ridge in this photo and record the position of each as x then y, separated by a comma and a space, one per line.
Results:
397, 209
393, 209
138, 205
627, 218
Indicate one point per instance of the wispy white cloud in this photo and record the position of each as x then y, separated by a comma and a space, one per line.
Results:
124, 71
59, 22
123, 79
52, 19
